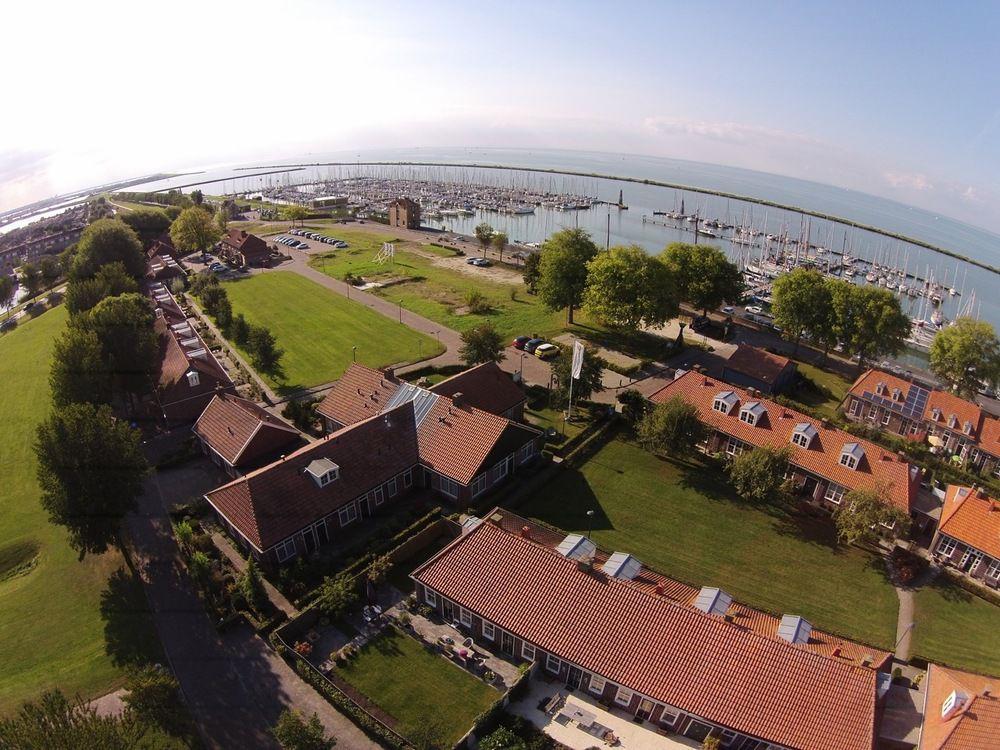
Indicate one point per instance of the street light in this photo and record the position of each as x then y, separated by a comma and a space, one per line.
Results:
590, 523
401, 311
520, 368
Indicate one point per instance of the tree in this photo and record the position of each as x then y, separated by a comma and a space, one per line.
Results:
50, 269
966, 354
295, 213
211, 297
197, 197
481, 343
294, 733
264, 350
240, 330
90, 471
336, 596
502, 738
252, 587
112, 279
863, 515
801, 304
532, 271
562, 269
152, 696
500, 242
79, 373
106, 241
8, 290
703, 275
55, 722
31, 279
148, 223
589, 382
758, 475
200, 567
379, 569
869, 321
124, 326
629, 289
193, 230
484, 233
672, 427
222, 220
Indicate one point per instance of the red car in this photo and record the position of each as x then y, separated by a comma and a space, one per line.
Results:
520, 341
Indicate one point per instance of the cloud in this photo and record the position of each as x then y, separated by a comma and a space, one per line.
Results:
732, 132
911, 180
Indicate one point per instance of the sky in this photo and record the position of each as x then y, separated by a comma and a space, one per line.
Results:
899, 99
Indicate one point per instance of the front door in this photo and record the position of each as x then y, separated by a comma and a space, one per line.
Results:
506, 642
697, 731
449, 611
970, 560
645, 709
573, 680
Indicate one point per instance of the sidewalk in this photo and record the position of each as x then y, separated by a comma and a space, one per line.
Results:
239, 562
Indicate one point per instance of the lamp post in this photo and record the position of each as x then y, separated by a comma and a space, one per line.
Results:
354, 354
590, 522
520, 368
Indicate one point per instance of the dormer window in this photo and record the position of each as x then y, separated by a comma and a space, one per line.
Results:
897, 394
724, 402
804, 434
851, 455
880, 388
323, 471
193, 379
752, 412
935, 414
967, 427
952, 422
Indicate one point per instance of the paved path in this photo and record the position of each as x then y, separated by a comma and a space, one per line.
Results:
904, 623
110, 704
234, 685
239, 562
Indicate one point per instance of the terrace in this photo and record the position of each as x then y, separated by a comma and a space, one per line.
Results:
580, 722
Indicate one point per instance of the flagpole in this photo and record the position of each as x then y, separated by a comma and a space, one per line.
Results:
569, 414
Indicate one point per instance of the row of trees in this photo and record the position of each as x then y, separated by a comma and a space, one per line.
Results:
759, 475
489, 237
625, 287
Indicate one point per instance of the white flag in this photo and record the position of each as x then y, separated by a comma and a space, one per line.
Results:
577, 359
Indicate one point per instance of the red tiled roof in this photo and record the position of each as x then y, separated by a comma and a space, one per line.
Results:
976, 726
360, 393
879, 469
272, 503
757, 363
252, 246
240, 431
972, 518
670, 652
484, 386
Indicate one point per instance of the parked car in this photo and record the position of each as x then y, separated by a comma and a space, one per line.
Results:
340, 244
482, 262
700, 323
532, 345
547, 351
728, 309
754, 309
471, 261
520, 341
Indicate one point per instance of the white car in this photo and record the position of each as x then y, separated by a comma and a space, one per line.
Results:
728, 309
754, 309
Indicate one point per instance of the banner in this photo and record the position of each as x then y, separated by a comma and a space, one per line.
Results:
577, 359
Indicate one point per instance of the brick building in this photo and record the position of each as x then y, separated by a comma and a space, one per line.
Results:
404, 213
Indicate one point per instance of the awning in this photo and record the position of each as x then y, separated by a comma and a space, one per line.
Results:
935, 441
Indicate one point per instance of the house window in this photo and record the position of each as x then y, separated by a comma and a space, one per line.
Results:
623, 696
946, 546
748, 416
846, 459
735, 447
379, 495
855, 407
994, 570
669, 716
286, 550
526, 451
489, 632
886, 418
479, 484
800, 440
834, 493
393, 489
466, 617
597, 684
408, 478
503, 468
873, 415
449, 487
527, 651
347, 514
553, 663
727, 737
914, 428
720, 405
430, 597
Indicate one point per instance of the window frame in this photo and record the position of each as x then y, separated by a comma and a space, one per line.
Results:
734, 447
525, 648
846, 459
618, 696
430, 597
489, 631
350, 508
668, 711
280, 550
445, 485
392, 489
463, 615
594, 680
946, 541
479, 484
716, 403
408, 478
748, 417
831, 495
379, 494
993, 571
800, 436
887, 418
549, 658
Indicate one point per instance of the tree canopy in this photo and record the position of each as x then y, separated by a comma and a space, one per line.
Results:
111, 280
864, 515
500, 242
124, 326
90, 470
703, 276
671, 427
532, 271
295, 733
147, 223
153, 696
629, 289
802, 304
758, 475
295, 213
8, 290
79, 373
870, 321
194, 230
336, 596
106, 241
562, 269
589, 382
966, 354
55, 722
31, 279
484, 233
481, 343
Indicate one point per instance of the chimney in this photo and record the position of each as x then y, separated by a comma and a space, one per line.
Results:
526, 532
836, 651
660, 589
389, 372
902, 456
824, 423
458, 398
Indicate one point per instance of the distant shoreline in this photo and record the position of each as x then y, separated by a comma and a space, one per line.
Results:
644, 181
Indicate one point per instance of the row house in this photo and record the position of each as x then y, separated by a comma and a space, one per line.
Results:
968, 537
961, 711
188, 375
825, 463
687, 661
418, 441
244, 249
952, 426
239, 436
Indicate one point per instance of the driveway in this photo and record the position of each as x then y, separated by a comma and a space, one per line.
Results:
234, 685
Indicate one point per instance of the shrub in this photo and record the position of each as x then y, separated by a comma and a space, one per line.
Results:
477, 302
303, 648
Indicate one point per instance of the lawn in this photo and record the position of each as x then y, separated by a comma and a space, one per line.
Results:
317, 329
829, 391
64, 622
418, 687
956, 628
684, 520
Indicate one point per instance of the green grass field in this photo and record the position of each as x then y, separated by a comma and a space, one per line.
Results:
64, 623
317, 328
684, 520
956, 628
420, 688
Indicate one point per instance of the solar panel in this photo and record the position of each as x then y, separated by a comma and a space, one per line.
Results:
913, 407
